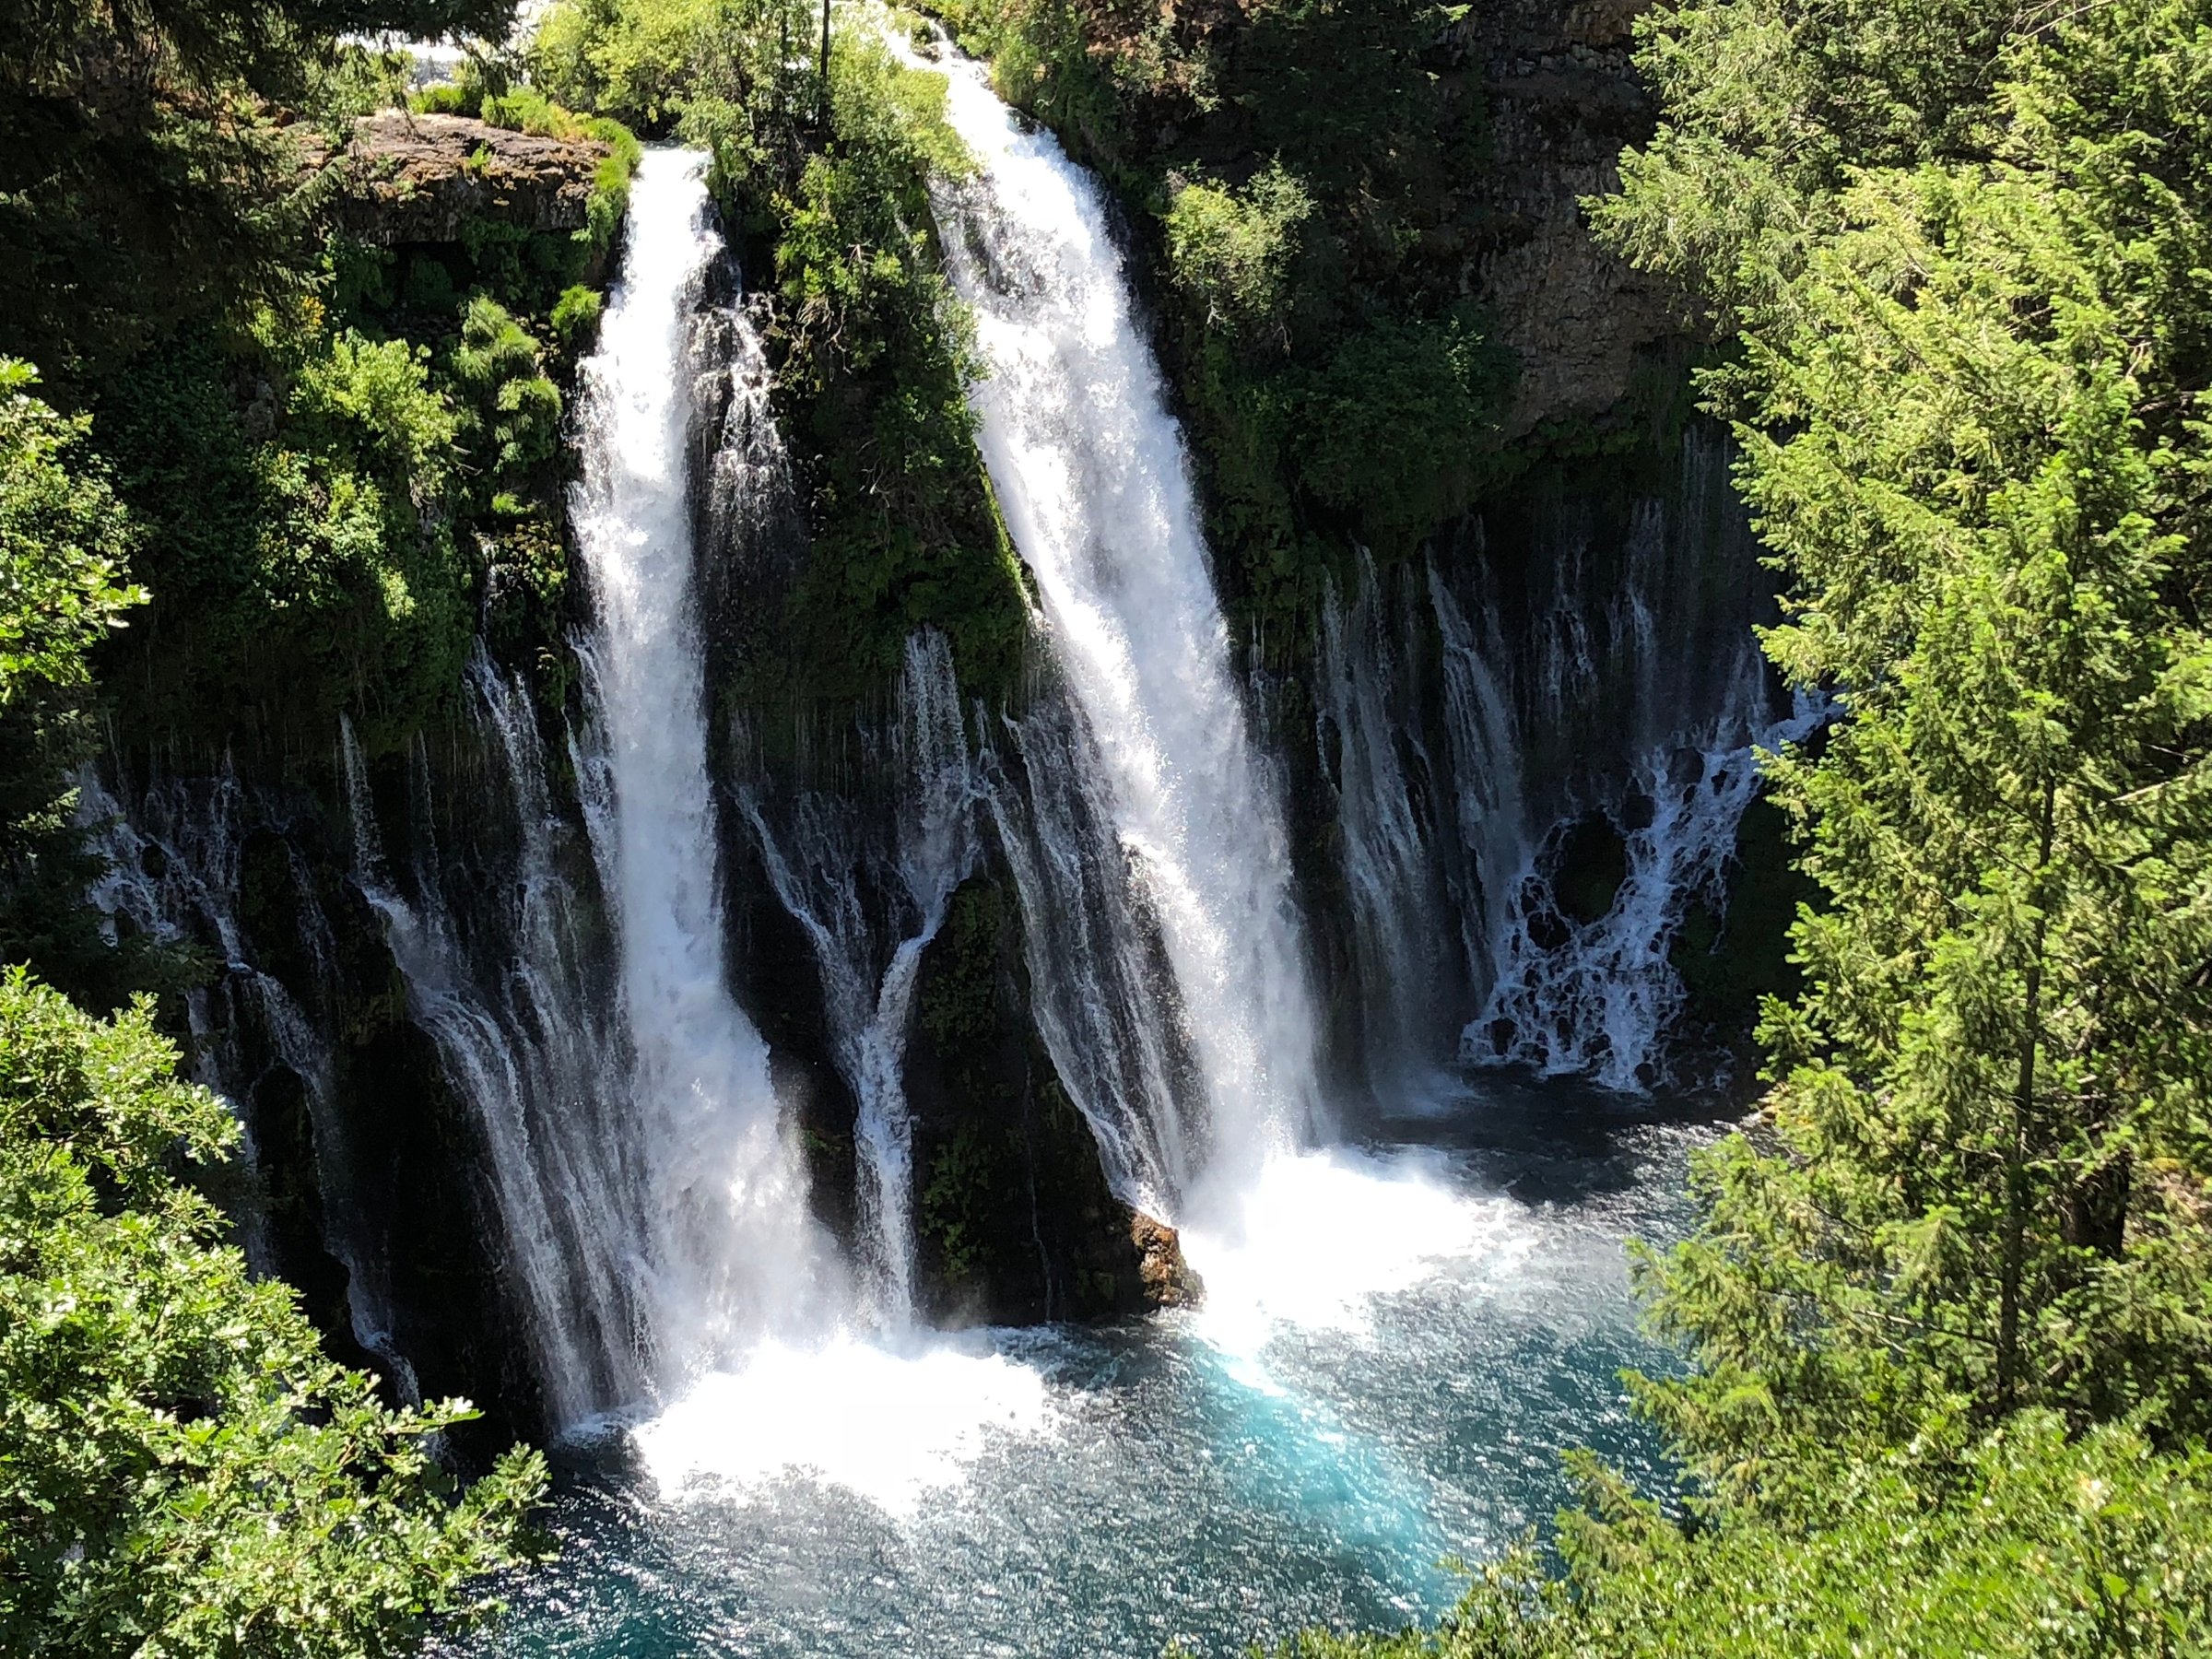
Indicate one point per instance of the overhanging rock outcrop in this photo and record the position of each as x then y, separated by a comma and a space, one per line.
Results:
421, 178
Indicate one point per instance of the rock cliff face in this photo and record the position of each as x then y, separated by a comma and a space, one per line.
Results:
1563, 101
422, 178
1541, 94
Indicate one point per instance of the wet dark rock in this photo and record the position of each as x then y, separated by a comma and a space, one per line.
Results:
1589, 863
1168, 1280
1015, 1222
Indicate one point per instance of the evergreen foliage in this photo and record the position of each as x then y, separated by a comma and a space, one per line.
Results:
1973, 438
151, 162
2029, 1545
65, 546
181, 1472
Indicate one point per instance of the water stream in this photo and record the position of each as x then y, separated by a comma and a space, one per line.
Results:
730, 1251
1090, 472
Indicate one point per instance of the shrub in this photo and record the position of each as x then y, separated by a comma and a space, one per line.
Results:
1231, 251
182, 1470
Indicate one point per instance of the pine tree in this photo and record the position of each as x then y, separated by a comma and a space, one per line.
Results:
1975, 436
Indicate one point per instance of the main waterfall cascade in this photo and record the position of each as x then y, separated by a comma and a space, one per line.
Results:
730, 1249
1090, 472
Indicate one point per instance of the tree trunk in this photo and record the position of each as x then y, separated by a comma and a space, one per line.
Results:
2013, 1267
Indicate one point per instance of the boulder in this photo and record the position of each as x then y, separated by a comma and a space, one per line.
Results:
412, 177
1169, 1281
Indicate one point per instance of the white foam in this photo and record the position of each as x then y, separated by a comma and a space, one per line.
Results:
889, 1424
1321, 1235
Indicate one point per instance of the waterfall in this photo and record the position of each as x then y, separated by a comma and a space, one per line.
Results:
730, 1248
1599, 681
1485, 769
516, 1012
1090, 474
1405, 881
173, 873
817, 862
1099, 982
1596, 998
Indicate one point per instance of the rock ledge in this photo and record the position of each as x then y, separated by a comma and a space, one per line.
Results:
421, 178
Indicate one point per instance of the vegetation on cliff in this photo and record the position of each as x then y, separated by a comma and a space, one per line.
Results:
275, 466
828, 185
65, 545
182, 1470
287, 411
373, 460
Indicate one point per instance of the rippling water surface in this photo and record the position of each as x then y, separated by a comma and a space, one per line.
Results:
1401, 1342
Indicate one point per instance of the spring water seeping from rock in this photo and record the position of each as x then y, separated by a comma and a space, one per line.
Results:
516, 1008
821, 859
174, 875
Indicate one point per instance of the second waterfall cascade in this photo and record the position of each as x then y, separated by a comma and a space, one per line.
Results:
1089, 469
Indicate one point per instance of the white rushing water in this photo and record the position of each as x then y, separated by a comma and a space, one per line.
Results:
815, 857
1414, 910
175, 870
1100, 989
732, 1251
519, 1030
1598, 1001
1090, 472
769, 1365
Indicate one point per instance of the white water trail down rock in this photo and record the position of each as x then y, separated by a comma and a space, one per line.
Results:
524, 1044
815, 858
1599, 1001
1414, 915
1098, 986
1486, 765
1090, 472
732, 1252
173, 874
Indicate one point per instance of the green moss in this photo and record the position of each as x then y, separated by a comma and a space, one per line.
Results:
965, 1181
873, 355
576, 315
957, 1007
